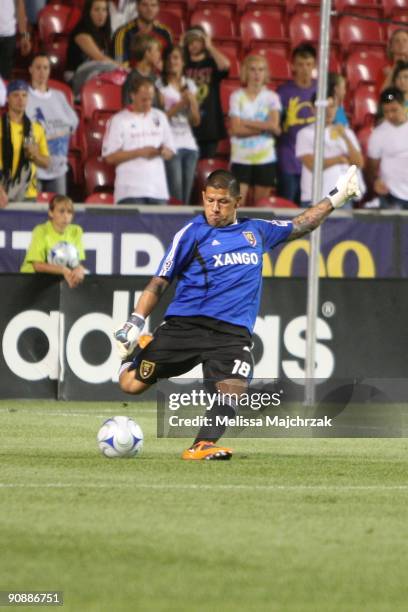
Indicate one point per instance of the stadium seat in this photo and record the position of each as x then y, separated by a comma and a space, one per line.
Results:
365, 103
369, 8
227, 7
355, 32
223, 148
173, 22
226, 89
265, 27
294, 6
305, 27
363, 67
363, 136
216, 24
403, 17
395, 8
99, 97
275, 202
99, 176
178, 7
279, 65
57, 52
94, 135
45, 197
100, 198
231, 49
204, 168
55, 20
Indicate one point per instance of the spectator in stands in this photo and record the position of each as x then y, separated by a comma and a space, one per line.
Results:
46, 236
181, 106
341, 149
51, 109
89, 45
400, 80
296, 96
254, 123
397, 50
388, 152
33, 7
137, 142
206, 66
13, 18
336, 87
145, 23
3, 93
121, 12
146, 53
23, 147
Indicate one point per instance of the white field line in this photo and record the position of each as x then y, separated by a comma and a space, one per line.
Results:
216, 487
121, 410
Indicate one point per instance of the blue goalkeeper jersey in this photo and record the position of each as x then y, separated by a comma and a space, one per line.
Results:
219, 269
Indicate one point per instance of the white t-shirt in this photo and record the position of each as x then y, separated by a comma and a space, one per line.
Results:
8, 18
389, 144
139, 177
3, 93
253, 149
180, 125
333, 145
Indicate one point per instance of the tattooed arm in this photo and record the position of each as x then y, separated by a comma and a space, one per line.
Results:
310, 219
151, 296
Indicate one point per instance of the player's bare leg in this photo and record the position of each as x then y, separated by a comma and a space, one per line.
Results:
204, 446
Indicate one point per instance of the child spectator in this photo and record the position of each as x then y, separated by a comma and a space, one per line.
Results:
297, 107
341, 149
206, 66
23, 147
145, 23
46, 239
255, 121
137, 141
397, 50
146, 54
89, 45
337, 90
50, 108
181, 106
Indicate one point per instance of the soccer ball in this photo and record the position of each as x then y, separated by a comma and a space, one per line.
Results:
64, 254
120, 436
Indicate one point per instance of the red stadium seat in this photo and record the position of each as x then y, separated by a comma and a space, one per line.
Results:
279, 65
45, 197
57, 52
99, 176
55, 20
227, 7
403, 17
178, 7
395, 8
365, 104
94, 135
275, 202
369, 8
216, 24
100, 198
264, 27
172, 21
363, 67
227, 87
294, 6
305, 27
232, 50
355, 32
363, 136
98, 96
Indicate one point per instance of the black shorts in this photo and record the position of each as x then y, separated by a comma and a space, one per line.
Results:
263, 175
181, 343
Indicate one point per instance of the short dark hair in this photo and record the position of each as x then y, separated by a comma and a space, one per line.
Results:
59, 199
138, 82
399, 67
304, 50
140, 44
392, 94
223, 179
41, 53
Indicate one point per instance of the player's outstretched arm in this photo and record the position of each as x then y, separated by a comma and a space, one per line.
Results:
127, 336
346, 188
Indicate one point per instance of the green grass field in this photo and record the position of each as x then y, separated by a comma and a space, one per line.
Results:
286, 525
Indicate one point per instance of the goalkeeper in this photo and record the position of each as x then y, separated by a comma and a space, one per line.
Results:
217, 259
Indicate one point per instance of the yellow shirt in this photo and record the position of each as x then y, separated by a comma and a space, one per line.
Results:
44, 237
17, 142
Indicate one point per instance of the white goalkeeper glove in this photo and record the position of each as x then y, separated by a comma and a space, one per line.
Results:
127, 336
346, 188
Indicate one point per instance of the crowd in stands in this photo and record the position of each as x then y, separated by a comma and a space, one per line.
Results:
133, 97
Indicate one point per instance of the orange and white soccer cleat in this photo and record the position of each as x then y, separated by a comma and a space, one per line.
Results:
207, 451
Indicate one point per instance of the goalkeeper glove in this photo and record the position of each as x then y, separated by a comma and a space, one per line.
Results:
127, 336
346, 188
